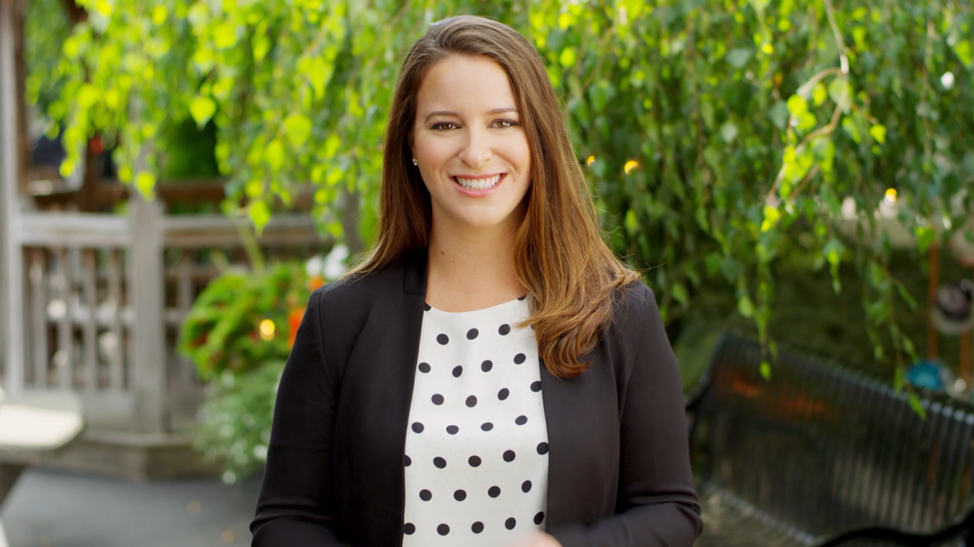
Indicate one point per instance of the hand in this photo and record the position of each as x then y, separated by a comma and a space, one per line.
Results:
537, 539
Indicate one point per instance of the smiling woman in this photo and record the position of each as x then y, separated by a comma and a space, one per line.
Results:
490, 374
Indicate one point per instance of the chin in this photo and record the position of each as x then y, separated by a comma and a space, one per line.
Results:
483, 221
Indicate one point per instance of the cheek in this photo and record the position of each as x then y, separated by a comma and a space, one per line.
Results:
517, 152
431, 151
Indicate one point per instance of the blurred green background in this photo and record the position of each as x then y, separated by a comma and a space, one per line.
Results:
721, 138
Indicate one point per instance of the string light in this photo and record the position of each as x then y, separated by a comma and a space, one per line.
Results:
590, 160
630, 165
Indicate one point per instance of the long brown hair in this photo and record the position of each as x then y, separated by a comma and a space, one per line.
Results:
560, 256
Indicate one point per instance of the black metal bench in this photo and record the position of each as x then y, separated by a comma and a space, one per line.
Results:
823, 456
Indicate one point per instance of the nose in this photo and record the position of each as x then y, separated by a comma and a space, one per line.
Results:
476, 150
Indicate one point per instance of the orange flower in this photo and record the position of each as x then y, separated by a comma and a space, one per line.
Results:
315, 282
293, 322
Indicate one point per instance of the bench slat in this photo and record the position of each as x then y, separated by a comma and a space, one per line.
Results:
821, 449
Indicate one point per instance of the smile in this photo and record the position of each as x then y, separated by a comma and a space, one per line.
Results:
479, 183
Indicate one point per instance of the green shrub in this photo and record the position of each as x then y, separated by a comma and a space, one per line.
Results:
238, 334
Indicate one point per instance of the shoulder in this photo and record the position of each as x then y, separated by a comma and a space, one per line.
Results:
635, 312
634, 303
352, 297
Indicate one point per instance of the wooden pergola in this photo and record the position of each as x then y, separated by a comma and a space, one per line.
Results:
90, 303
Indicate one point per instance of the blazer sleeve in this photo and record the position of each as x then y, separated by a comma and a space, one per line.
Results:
295, 505
657, 504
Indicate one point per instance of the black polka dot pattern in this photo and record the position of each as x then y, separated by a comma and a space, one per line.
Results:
474, 436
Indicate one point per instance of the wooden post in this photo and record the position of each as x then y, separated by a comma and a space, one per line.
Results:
149, 340
11, 259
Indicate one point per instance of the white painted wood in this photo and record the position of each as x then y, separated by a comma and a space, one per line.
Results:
11, 272
201, 231
90, 327
148, 331
75, 230
184, 302
64, 358
117, 353
37, 333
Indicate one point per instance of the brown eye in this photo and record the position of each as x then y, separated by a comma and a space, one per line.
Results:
503, 124
444, 126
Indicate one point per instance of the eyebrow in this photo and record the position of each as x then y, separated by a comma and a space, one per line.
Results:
450, 113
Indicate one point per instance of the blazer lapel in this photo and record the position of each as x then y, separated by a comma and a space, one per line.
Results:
379, 398
410, 318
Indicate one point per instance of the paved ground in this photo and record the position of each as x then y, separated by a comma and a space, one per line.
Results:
61, 509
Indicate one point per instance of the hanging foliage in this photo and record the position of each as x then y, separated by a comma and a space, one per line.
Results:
719, 135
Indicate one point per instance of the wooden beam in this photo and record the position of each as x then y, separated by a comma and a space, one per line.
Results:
11, 259
149, 335
24, 146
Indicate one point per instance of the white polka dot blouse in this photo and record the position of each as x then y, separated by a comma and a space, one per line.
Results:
477, 444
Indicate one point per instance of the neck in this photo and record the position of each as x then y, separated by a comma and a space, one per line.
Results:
471, 269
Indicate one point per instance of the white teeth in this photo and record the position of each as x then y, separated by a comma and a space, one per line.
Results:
478, 184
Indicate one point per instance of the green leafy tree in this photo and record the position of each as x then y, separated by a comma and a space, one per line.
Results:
721, 136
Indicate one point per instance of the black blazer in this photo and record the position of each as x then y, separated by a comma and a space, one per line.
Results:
618, 460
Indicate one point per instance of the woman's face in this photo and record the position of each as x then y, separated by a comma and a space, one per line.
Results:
471, 148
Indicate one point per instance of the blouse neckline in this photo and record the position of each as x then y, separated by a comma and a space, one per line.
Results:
489, 308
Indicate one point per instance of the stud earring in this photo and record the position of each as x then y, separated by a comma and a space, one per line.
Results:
415, 162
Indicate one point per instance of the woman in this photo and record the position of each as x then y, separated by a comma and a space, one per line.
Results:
490, 374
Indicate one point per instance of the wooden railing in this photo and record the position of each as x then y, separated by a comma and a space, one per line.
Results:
103, 299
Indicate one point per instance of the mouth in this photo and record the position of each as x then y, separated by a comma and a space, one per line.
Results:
479, 183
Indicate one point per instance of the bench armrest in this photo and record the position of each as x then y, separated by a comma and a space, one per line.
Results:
961, 526
694, 397
37, 423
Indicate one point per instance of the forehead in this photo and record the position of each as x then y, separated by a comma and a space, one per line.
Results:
466, 85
